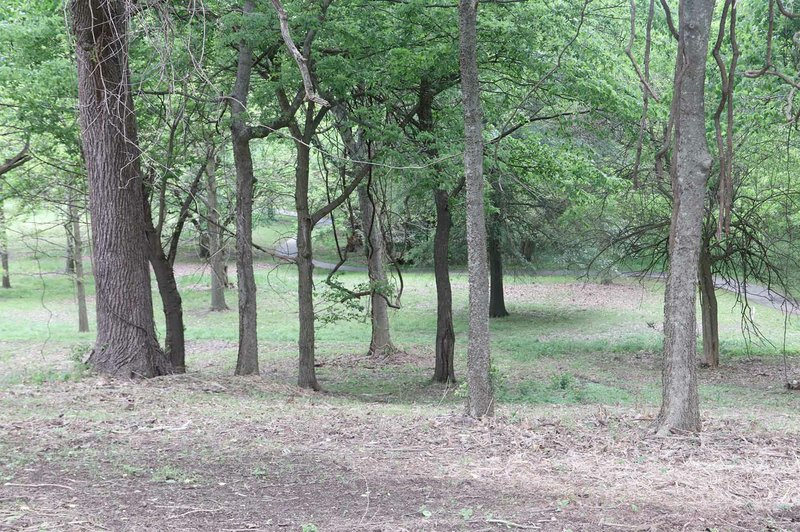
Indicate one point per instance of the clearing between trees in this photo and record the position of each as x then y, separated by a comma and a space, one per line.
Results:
384, 449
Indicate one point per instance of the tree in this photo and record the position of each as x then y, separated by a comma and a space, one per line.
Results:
481, 395
690, 169
126, 344
14, 162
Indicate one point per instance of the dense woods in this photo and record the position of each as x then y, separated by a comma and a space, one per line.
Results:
367, 159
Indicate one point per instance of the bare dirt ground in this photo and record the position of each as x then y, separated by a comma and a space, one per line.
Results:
202, 453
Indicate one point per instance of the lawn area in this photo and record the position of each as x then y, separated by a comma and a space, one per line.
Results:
382, 448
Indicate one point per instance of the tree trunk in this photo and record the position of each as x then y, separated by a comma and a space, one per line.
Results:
307, 377
69, 265
4, 242
80, 287
444, 371
219, 277
481, 395
171, 302
708, 307
374, 248
497, 302
690, 169
247, 360
126, 345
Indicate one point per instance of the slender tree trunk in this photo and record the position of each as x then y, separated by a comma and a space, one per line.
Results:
381, 341
497, 302
307, 377
444, 371
4, 242
708, 307
80, 286
171, 302
219, 277
247, 360
481, 394
126, 344
69, 265
691, 166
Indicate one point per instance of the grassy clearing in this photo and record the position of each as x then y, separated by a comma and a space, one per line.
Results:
577, 375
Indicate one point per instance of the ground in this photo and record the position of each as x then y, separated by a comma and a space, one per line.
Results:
577, 375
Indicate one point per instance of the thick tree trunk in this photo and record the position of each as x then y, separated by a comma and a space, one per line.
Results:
247, 360
497, 301
444, 371
381, 341
219, 275
307, 377
4, 242
126, 345
80, 286
708, 308
481, 394
691, 166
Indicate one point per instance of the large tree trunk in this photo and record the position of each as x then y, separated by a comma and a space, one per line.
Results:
247, 360
219, 275
381, 341
444, 371
691, 165
708, 308
4, 242
497, 302
481, 394
307, 377
126, 344
80, 286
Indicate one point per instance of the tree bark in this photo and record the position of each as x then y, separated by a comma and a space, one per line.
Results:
497, 302
80, 286
4, 242
444, 370
69, 265
126, 345
247, 359
171, 302
375, 250
307, 377
481, 395
219, 275
708, 307
690, 169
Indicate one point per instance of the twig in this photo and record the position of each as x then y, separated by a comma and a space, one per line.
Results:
512, 524
15, 485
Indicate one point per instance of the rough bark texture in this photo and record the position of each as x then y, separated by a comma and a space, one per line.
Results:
126, 345
80, 286
444, 370
219, 275
691, 165
4, 243
247, 360
481, 396
708, 307
381, 340
497, 301
171, 302
307, 377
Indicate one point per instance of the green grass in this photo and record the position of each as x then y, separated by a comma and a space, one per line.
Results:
549, 351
